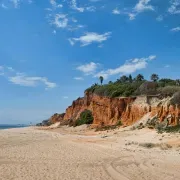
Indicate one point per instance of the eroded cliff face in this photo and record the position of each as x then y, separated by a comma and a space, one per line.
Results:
108, 111
57, 118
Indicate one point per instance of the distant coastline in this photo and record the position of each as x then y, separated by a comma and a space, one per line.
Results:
9, 126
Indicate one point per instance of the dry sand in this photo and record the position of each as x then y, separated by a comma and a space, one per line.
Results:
78, 154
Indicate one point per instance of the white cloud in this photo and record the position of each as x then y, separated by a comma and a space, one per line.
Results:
74, 28
174, 7
30, 1
160, 18
25, 80
116, 11
167, 66
74, 6
4, 6
152, 57
100, 46
1, 70
65, 97
91, 8
71, 42
11, 69
90, 37
48, 9
175, 29
53, 2
54, 32
60, 21
79, 78
74, 20
88, 68
16, 3
128, 67
55, 5
143, 5
131, 16
59, 5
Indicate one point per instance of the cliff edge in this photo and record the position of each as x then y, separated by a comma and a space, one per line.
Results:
128, 110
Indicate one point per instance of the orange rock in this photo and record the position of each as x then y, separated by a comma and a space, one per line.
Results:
57, 118
108, 111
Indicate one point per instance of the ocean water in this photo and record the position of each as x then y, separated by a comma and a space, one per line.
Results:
6, 126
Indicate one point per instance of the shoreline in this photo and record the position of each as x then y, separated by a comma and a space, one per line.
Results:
67, 153
6, 126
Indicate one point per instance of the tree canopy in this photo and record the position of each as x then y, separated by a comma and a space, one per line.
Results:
128, 86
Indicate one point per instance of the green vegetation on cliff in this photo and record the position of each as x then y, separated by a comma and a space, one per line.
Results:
127, 86
86, 117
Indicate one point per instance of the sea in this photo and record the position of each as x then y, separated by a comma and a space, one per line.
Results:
7, 126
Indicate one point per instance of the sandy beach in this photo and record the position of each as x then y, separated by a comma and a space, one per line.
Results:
78, 154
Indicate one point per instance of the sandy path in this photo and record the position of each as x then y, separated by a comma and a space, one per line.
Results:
27, 154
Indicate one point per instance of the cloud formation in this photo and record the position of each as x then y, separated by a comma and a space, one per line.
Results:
79, 78
4, 6
16, 3
75, 7
160, 18
174, 7
116, 11
89, 38
143, 5
128, 67
175, 29
55, 4
60, 21
88, 68
24, 80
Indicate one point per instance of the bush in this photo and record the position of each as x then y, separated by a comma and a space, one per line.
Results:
166, 82
168, 90
148, 145
176, 98
173, 129
148, 88
119, 123
85, 118
125, 88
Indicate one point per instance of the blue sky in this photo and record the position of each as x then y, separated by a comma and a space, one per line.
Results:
52, 50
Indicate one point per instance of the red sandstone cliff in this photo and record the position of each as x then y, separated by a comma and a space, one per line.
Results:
57, 118
109, 111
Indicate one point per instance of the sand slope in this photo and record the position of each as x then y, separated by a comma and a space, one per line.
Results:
29, 154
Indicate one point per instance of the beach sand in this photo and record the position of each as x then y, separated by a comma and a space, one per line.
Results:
78, 154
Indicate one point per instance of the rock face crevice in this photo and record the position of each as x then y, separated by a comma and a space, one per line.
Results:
128, 110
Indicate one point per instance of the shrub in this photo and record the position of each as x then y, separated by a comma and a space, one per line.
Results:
147, 88
85, 118
166, 82
124, 87
173, 129
161, 126
148, 145
176, 98
168, 90
106, 128
119, 123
